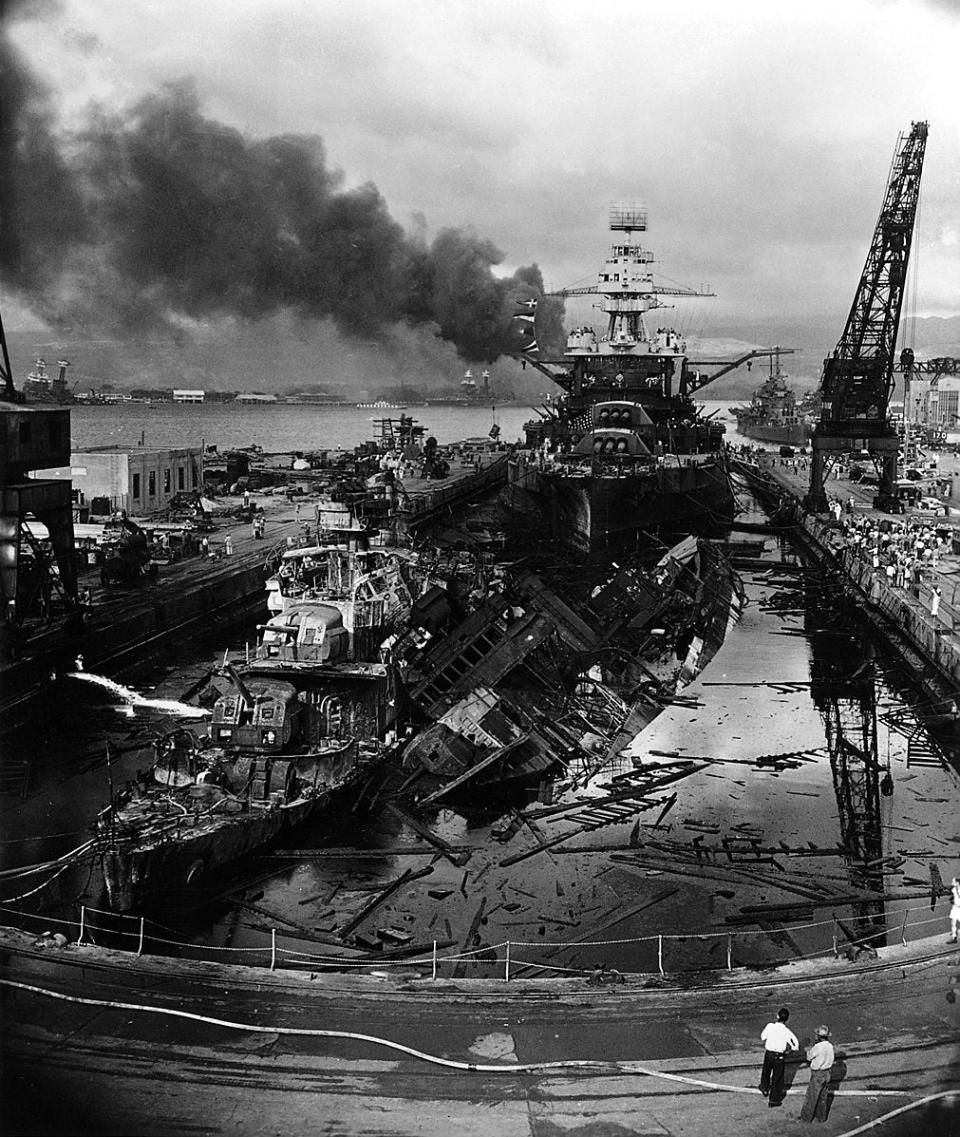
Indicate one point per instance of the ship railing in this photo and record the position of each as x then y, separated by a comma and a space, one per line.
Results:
681, 955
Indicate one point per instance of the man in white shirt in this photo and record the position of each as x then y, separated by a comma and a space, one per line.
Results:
821, 1058
778, 1040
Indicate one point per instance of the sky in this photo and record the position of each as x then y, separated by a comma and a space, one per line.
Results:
759, 133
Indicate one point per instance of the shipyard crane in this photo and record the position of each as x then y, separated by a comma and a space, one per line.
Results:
857, 378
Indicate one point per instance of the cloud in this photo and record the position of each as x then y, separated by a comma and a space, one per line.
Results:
759, 134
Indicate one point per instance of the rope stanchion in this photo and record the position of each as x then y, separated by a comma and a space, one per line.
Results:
490, 953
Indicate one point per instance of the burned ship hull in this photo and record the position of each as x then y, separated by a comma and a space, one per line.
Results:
135, 876
303, 722
796, 434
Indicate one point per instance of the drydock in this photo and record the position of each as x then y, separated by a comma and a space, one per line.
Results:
652, 802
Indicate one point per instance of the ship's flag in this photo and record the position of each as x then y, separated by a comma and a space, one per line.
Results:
531, 304
531, 347
525, 319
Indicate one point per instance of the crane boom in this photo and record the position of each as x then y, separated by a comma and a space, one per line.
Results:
857, 378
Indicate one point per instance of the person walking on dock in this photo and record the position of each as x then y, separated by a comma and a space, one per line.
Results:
954, 910
778, 1041
228, 544
821, 1057
935, 602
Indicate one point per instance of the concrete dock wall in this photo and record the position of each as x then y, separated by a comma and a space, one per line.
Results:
931, 637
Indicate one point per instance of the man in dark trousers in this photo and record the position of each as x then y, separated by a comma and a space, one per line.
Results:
778, 1040
821, 1057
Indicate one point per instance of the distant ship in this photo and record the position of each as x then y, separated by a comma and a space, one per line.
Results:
41, 387
774, 414
472, 393
624, 451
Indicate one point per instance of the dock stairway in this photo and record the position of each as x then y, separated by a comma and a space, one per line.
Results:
922, 750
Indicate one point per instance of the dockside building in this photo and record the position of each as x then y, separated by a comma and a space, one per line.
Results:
137, 480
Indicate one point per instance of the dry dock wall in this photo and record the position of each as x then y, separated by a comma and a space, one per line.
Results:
928, 636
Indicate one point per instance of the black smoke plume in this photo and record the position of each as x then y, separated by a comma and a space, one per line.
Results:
160, 213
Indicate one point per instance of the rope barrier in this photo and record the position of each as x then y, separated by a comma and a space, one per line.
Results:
598, 1065
142, 933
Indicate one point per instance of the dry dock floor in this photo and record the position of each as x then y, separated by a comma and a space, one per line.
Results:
630, 1060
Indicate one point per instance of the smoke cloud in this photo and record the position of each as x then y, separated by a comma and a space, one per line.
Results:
147, 219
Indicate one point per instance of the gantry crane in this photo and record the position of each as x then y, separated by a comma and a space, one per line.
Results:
857, 379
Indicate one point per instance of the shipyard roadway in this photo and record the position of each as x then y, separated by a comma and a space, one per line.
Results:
192, 598
152, 1046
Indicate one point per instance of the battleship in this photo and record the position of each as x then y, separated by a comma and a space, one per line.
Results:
624, 450
774, 414
42, 387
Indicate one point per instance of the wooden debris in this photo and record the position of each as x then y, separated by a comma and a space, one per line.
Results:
559, 920
455, 857
356, 854
517, 857
461, 965
385, 894
302, 931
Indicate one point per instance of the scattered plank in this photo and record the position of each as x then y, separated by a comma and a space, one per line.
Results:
455, 857
382, 896
461, 965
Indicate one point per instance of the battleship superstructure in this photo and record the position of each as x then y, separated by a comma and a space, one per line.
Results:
41, 387
624, 450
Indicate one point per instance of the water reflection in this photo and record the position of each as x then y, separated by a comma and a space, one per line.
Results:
843, 688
